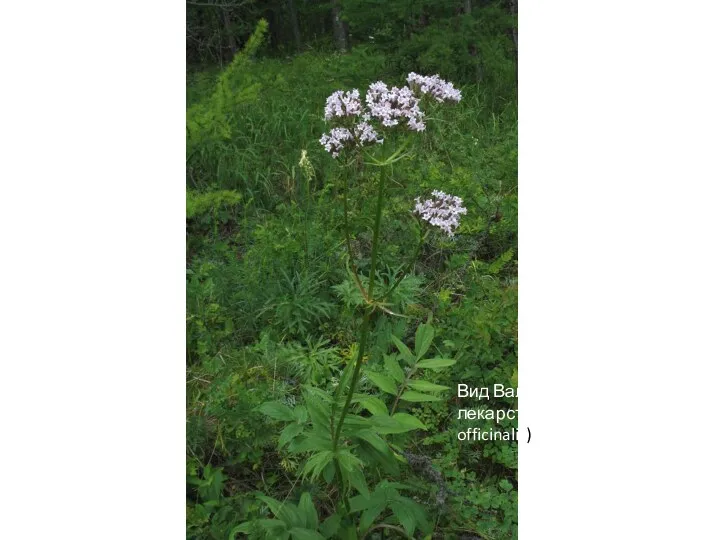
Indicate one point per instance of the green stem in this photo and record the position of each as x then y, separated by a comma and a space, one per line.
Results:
368, 309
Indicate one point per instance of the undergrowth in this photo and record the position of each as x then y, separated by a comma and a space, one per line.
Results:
272, 309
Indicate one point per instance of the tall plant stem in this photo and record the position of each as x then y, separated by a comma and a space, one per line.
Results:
368, 308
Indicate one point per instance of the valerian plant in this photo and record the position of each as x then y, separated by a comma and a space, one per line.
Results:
343, 432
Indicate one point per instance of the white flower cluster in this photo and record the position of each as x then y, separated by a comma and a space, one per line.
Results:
340, 104
363, 133
389, 106
442, 210
439, 89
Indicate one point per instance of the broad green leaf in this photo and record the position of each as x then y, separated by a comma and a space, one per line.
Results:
301, 414
329, 472
287, 512
305, 534
408, 421
289, 433
372, 404
348, 461
370, 515
373, 439
317, 463
330, 526
404, 516
436, 363
393, 368
319, 414
277, 411
423, 338
312, 442
349, 533
397, 423
383, 382
405, 352
244, 528
417, 397
356, 479
307, 511
425, 386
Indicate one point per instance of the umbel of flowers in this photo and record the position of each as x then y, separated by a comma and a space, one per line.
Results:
356, 123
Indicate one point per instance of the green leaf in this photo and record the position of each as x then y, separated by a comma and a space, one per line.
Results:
287, 512
425, 386
356, 479
383, 382
329, 472
408, 421
244, 528
289, 433
330, 526
372, 404
405, 353
305, 534
374, 440
277, 411
312, 442
307, 511
416, 397
397, 423
317, 463
319, 414
347, 461
423, 338
370, 515
436, 363
394, 369
404, 516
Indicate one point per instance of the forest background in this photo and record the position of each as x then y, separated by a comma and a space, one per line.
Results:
270, 306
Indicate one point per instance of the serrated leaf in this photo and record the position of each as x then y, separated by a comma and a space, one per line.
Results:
307, 511
383, 382
436, 363
425, 386
404, 516
277, 411
393, 368
405, 352
423, 338
301, 414
417, 397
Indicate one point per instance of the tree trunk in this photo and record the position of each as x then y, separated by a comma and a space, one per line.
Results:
514, 11
339, 30
468, 7
231, 43
292, 10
